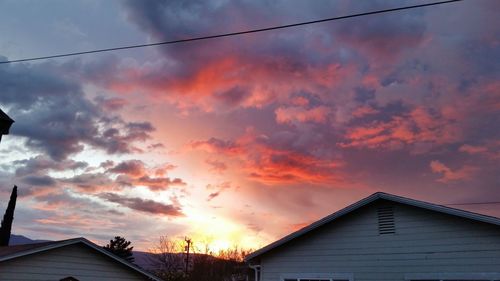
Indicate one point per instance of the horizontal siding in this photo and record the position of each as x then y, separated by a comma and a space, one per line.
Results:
424, 242
78, 261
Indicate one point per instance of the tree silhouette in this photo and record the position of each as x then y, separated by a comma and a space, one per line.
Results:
120, 247
167, 260
8, 217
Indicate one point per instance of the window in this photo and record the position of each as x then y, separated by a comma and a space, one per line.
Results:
317, 277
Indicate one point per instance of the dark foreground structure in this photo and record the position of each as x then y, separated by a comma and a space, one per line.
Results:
386, 237
67, 260
5, 123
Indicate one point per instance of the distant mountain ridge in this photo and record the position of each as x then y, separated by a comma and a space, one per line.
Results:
20, 240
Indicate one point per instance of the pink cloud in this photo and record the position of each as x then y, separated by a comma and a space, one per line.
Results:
216, 166
215, 145
363, 111
449, 175
289, 114
490, 149
471, 149
158, 183
217, 189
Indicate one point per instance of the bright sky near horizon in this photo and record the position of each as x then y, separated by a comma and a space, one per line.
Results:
241, 140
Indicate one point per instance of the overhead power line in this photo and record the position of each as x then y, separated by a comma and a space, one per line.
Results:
229, 34
474, 203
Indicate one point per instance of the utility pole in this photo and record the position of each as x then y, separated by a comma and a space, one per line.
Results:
186, 248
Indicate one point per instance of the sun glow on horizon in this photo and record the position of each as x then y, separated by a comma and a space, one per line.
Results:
214, 233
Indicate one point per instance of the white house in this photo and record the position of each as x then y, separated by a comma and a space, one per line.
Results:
67, 260
386, 237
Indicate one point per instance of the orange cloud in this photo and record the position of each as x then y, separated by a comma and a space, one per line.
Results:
272, 166
233, 80
269, 165
417, 126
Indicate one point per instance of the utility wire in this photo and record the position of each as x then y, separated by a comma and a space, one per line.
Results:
474, 203
230, 34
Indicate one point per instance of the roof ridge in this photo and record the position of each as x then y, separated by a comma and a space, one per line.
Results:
8, 252
367, 200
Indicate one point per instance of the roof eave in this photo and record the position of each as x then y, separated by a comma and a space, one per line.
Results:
314, 225
365, 201
85, 242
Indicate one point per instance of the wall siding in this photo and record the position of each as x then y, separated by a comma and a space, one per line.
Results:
76, 260
424, 242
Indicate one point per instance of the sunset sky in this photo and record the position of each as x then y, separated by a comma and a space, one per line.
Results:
241, 140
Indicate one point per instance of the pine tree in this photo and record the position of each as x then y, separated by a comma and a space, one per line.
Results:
120, 247
8, 217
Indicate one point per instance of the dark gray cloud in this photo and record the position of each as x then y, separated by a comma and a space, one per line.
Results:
43, 164
40, 180
143, 205
130, 167
384, 35
134, 172
55, 115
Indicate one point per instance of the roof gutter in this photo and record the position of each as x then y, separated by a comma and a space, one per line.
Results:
256, 268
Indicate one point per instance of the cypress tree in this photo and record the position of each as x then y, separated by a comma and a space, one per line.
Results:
8, 217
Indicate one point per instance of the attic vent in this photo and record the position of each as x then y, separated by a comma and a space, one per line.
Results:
386, 220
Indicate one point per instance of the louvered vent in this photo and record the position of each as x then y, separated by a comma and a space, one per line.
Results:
386, 220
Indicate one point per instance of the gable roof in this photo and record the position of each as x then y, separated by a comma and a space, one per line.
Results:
4, 116
372, 198
12, 252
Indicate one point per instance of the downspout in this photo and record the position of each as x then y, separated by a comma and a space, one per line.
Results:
256, 268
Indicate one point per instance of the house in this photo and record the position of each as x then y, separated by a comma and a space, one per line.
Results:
5, 123
386, 237
67, 260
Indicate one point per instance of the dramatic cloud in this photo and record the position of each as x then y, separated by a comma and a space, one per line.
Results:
40, 180
216, 166
55, 115
134, 172
143, 205
43, 164
289, 114
92, 182
418, 126
217, 189
133, 168
449, 175
301, 121
490, 150
216, 145
267, 161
